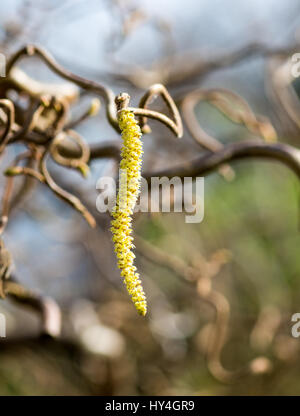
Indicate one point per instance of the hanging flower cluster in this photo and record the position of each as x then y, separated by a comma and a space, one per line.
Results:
129, 188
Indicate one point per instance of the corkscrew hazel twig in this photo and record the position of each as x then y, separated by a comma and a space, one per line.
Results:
144, 112
63, 194
43, 176
80, 163
47, 308
9, 109
91, 86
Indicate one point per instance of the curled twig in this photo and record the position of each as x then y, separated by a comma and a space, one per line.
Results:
207, 162
76, 163
6, 199
106, 93
63, 194
24, 170
232, 106
46, 307
32, 116
93, 110
149, 96
88, 85
8, 107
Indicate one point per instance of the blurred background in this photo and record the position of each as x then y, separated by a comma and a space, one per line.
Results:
220, 293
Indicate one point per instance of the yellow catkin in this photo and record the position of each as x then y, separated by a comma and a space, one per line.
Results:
130, 167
